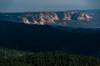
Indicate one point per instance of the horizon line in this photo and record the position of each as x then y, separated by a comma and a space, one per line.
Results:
48, 10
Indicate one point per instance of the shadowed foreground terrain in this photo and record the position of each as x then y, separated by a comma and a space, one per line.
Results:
48, 46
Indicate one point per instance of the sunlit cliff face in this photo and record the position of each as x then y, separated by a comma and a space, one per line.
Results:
47, 5
50, 19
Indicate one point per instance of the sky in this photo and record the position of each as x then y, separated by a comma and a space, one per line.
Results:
47, 5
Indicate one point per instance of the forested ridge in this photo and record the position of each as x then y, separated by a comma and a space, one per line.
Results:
12, 57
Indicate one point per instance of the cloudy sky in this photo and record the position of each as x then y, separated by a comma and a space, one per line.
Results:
46, 5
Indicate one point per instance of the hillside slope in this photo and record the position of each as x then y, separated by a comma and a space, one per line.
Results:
44, 38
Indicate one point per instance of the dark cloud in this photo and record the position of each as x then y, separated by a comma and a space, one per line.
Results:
41, 5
